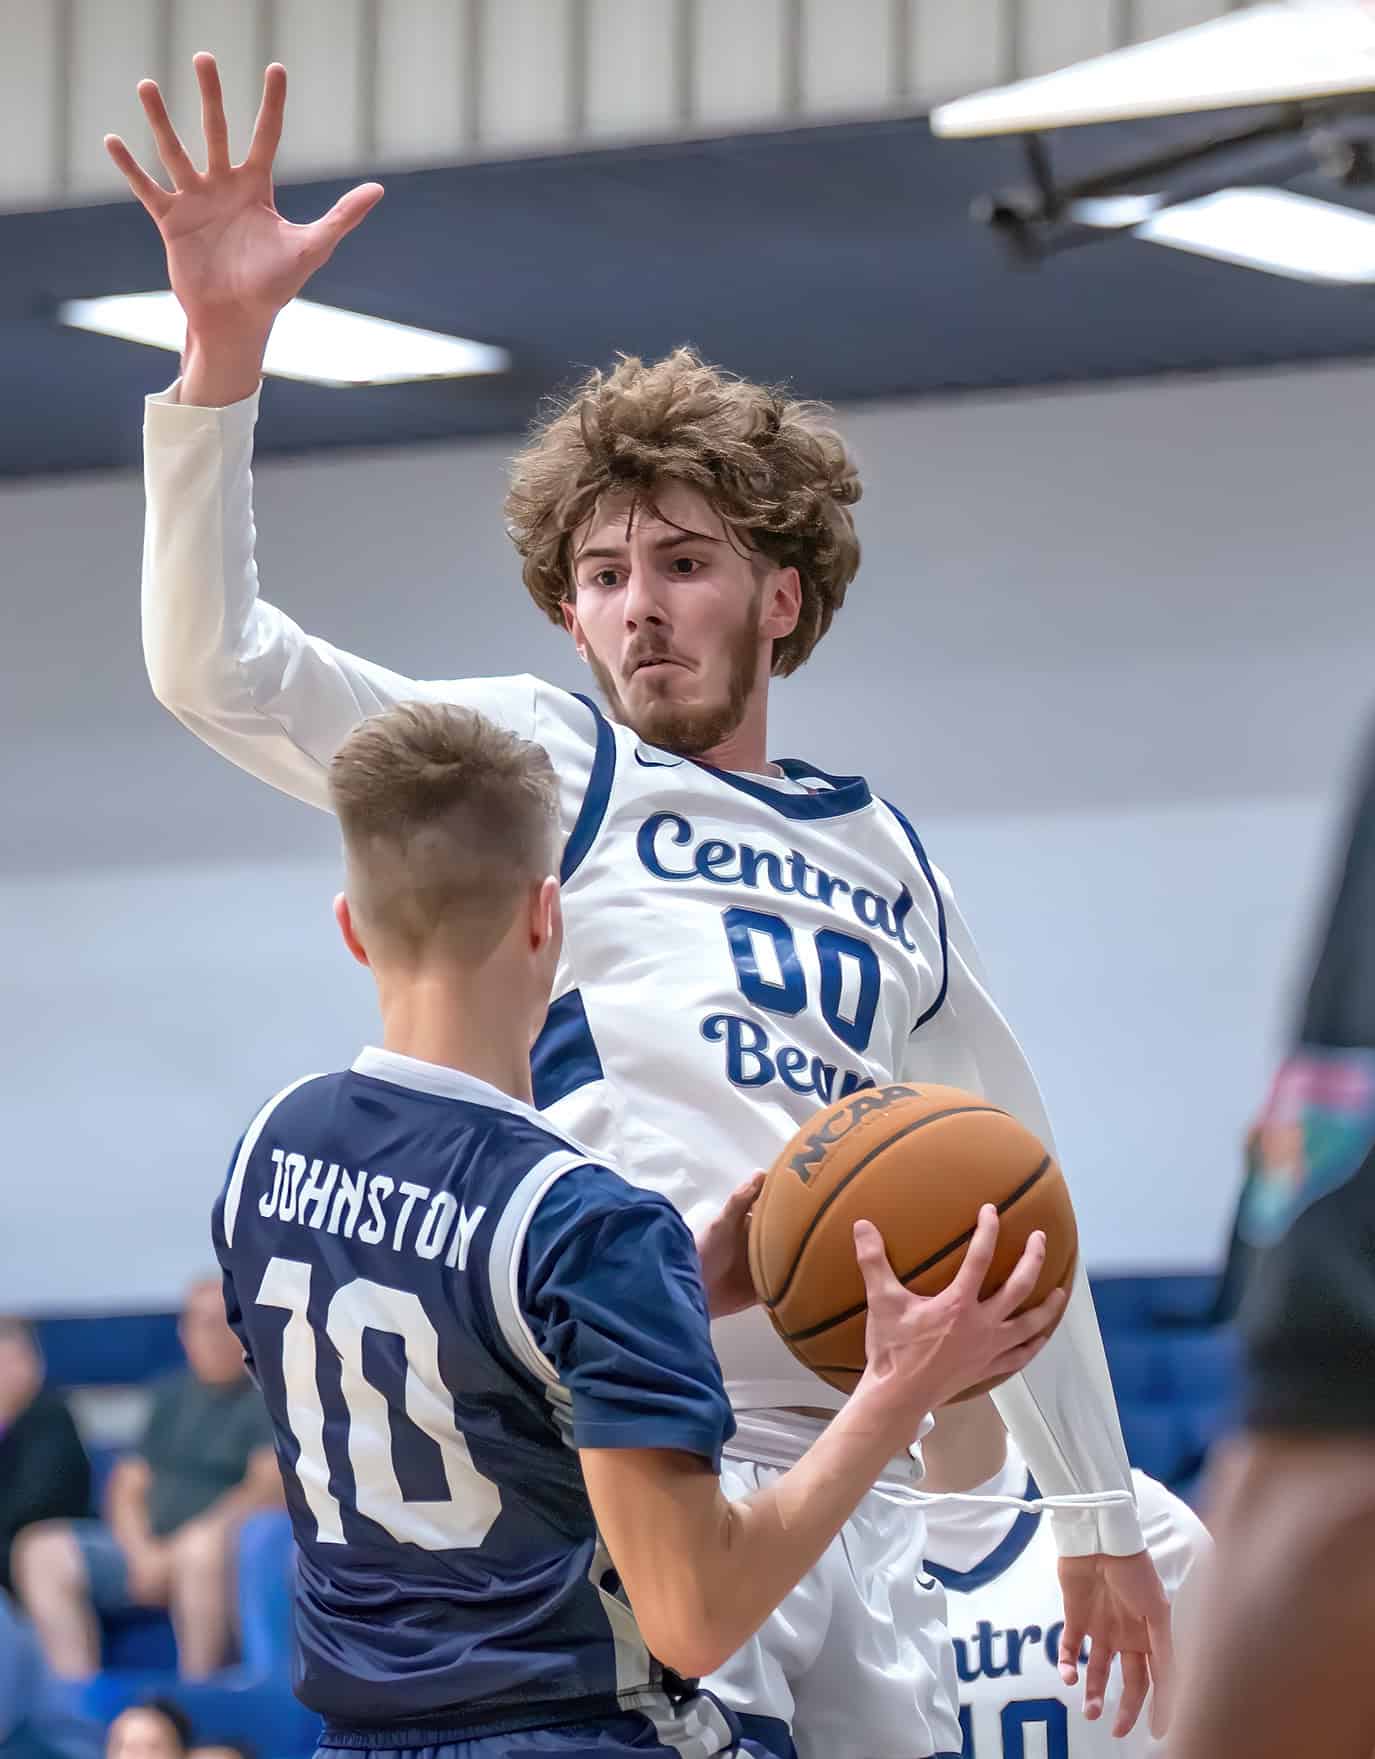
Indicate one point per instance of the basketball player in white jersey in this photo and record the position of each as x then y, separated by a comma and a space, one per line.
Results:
745, 940
997, 1564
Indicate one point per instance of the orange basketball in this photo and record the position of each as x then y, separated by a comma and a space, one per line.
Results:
918, 1162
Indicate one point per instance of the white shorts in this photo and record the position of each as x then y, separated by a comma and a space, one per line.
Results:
857, 1660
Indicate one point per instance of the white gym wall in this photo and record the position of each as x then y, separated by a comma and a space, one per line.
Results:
1109, 649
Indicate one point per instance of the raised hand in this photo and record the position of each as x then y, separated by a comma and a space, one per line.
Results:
232, 260
941, 1345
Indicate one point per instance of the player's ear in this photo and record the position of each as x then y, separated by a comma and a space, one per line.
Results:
344, 917
569, 607
547, 916
782, 603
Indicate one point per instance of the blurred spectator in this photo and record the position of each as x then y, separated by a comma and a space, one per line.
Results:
44, 1472
235, 1749
171, 1512
37, 1717
155, 1729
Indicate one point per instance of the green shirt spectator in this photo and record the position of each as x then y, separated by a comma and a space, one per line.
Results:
199, 1439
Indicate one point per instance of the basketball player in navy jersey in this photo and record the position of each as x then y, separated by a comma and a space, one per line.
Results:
487, 1358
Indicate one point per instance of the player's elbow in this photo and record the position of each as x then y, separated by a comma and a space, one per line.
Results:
691, 1648
178, 682
683, 1630
193, 670
168, 673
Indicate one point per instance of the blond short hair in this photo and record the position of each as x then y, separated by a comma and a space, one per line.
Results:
779, 477
445, 817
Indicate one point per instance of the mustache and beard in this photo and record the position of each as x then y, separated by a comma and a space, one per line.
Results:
689, 730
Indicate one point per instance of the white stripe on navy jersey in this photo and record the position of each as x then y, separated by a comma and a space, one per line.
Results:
504, 1259
234, 1190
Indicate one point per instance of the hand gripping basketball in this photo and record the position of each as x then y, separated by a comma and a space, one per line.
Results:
919, 1162
934, 1348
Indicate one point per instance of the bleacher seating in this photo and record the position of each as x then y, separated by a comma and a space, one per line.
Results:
111, 1349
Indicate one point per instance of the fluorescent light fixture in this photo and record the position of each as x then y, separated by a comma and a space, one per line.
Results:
1280, 52
1115, 213
1270, 229
321, 344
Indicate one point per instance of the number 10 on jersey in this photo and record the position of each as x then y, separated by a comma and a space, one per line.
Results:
458, 1521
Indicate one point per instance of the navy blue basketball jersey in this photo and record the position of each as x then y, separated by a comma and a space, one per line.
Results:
442, 1300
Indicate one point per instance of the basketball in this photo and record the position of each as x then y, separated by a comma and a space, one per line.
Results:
917, 1162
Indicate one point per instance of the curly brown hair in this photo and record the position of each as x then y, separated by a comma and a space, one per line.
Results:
781, 479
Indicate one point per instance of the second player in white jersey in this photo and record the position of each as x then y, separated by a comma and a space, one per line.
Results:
997, 1564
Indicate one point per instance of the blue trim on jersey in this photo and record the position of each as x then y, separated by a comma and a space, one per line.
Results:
941, 930
593, 808
565, 1055
843, 793
1001, 1558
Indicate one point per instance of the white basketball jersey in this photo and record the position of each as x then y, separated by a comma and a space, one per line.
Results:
1004, 1611
739, 951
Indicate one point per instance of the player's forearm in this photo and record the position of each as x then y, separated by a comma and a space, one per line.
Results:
775, 1536
1063, 1415
200, 581
704, 1572
234, 670
1291, 1591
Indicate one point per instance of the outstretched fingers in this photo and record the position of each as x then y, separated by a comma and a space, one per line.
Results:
349, 211
175, 158
267, 130
146, 189
213, 123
